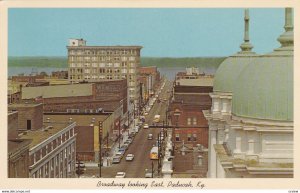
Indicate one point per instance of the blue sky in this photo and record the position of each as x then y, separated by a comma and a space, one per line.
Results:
162, 32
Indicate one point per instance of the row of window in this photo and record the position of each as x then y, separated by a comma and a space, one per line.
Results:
56, 162
191, 121
104, 77
102, 65
51, 146
101, 58
102, 70
189, 136
102, 52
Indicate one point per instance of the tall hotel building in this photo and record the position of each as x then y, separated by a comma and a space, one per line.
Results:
98, 63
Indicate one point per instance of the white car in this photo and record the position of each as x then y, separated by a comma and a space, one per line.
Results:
146, 126
120, 175
129, 157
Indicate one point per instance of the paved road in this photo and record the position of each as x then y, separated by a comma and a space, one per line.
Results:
140, 146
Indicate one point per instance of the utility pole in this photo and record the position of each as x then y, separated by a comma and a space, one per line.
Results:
158, 163
100, 152
119, 133
152, 166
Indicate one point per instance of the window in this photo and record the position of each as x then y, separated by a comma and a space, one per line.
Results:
52, 164
132, 71
189, 137
194, 121
116, 64
46, 169
194, 137
189, 121
34, 158
132, 65
61, 156
177, 137
102, 70
131, 58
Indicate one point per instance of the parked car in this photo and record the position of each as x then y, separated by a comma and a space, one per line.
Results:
120, 154
146, 126
129, 157
123, 148
116, 159
120, 175
126, 144
150, 136
129, 140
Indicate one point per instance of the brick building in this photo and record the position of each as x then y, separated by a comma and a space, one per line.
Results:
87, 130
149, 78
30, 116
190, 97
80, 98
63, 74
52, 152
41, 149
17, 150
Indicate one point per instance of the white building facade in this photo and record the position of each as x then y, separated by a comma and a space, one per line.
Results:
251, 120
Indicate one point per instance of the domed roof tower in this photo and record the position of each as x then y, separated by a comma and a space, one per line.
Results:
264, 88
231, 67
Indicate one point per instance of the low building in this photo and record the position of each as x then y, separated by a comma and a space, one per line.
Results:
52, 152
63, 74
80, 98
18, 158
87, 127
17, 150
39, 149
30, 115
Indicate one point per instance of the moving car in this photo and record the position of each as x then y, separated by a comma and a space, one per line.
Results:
154, 153
146, 126
148, 173
120, 175
116, 159
156, 118
150, 136
129, 157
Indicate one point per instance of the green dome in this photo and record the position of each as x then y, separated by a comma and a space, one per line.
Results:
229, 70
264, 88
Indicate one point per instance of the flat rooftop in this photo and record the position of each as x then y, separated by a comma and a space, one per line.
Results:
38, 136
80, 119
23, 105
200, 81
106, 47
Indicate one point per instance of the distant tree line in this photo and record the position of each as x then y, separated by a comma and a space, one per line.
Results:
61, 62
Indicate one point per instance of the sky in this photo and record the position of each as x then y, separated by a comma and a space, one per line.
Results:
163, 32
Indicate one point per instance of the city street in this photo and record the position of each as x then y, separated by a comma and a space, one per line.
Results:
140, 146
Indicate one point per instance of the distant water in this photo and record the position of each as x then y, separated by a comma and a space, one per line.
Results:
169, 72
